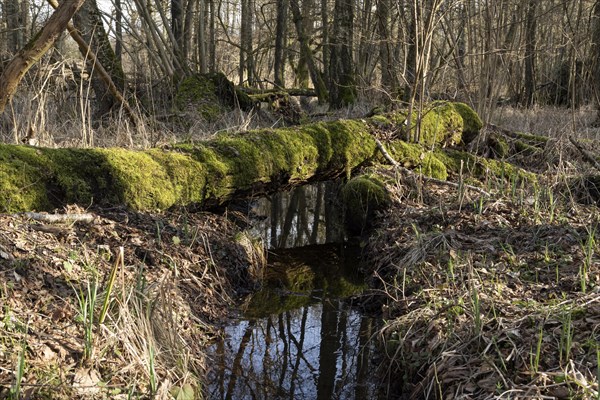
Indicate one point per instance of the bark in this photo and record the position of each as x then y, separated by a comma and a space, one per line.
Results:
88, 22
596, 57
177, 22
306, 52
246, 48
35, 49
201, 34
118, 30
530, 32
212, 50
385, 52
280, 36
342, 88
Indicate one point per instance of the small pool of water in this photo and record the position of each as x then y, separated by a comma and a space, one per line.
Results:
300, 336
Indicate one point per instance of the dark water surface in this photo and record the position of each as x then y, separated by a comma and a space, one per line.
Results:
299, 337
306, 215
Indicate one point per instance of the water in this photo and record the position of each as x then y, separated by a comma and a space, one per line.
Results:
306, 215
299, 337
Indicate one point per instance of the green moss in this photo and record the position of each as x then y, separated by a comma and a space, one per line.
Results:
432, 166
480, 169
534, 140
472, 124
441, 123
526, 149
199, 92
381, 121
499, 146
416, 156
20, 187
362, 196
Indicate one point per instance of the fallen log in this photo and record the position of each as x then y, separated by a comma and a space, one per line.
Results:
207, 173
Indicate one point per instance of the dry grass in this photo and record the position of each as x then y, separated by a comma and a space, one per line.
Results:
554, 122
488, 298
177, 279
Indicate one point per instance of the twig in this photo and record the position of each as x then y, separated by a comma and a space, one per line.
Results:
57, 218
397, 165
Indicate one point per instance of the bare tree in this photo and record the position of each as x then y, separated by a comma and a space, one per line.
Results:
88, 22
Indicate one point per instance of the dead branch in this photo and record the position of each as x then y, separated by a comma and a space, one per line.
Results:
586, 154
58, 218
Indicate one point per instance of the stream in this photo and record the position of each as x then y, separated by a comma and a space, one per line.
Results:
299, 337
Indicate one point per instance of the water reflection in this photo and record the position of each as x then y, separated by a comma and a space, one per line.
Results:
305, 215
298, 338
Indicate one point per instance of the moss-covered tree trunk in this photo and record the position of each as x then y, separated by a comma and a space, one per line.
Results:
211, 172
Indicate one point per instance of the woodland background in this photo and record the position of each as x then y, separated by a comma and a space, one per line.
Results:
485, 53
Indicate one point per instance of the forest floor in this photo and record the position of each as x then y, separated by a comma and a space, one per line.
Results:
488, 297
482, 297
177, 278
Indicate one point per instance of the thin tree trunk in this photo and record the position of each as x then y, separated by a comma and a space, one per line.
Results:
530, 32
280, 36
385, 53
315, 74
212, 49
201, 35
35, 49
119, 31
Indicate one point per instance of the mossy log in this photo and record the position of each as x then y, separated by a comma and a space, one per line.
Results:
204, 174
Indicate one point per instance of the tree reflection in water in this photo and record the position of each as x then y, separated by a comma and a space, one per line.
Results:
306, 215
299, 339
319, 351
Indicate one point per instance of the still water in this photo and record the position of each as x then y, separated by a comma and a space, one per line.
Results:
300, 337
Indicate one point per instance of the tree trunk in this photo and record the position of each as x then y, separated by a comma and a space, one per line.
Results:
35, 49
177, 22
325, 42
212, 44
596, 57
88, 22
119, 31
342, 89
188, 28
246, 48
201, 37
306, 52
388, 83
530, 44
280, 36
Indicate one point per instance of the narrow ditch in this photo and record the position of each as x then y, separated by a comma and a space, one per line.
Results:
301, 336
